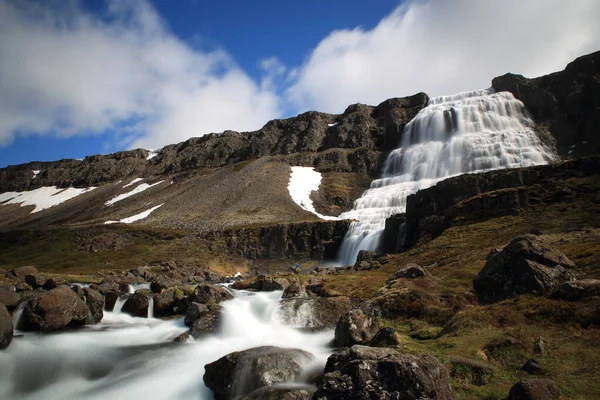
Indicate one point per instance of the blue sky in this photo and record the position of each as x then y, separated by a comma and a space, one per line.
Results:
87, 77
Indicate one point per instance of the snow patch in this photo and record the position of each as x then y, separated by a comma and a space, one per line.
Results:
133, 182
36, 172
330, 125
134, 218
151, 154
42, 198
138, 189
303, 181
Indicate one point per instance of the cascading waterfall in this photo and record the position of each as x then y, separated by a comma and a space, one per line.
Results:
467, 132
124, 356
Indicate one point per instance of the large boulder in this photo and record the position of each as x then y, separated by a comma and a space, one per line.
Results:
354, 327
6, 327
527, 265
53, 310
262, 283
362, 372
136, 305
162, 283
206, 293
535, 389
242, 372
20, 272
315, 312
36, 280
202, 318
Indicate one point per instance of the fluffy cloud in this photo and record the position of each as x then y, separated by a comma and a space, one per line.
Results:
444, 47
65, 72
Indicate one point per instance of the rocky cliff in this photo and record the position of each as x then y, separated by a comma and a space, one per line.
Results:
373, 130
471, 197
567, 103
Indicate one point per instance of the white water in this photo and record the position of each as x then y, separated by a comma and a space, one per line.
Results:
467, 132
125, 357
150, 307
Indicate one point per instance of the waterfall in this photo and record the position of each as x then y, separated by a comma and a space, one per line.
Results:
124, 355
150, 307
16, 317
467, 132
119, 303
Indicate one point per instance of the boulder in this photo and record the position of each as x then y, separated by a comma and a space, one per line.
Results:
262, 283
409, 271
535, 389
136, 305
53, 310
282, 392
213, 277
142, 272
533, 367
95, 302
55, 281
527, 265
242, 372
362, 372
162, 283
165, 303
295, 289
202, 318
210, 294
36, 280
6, 327
316, 312
577, 290
10, 299
386, 337
110, 299
20, 272
354, 327
108, 286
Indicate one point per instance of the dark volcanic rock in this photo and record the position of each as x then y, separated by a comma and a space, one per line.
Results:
354, 327
36, 280
136, 305
310, 240
95, 302
382, 373
9, 299
535, 389
53, 310
282, 392
6, 327
210, 294
568, 102
409, 271
162, 283
240, 373
20, 272
527, 265
533, 367
295, 289
202, 318
577, 290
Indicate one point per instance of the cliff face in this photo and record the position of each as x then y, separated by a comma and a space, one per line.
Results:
326, 141
471, 197
567, 103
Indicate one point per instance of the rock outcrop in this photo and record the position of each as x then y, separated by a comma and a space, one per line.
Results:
382, 373
311, 240
315, 312
202, 318
566, 102
354, 327
54, 310
240, 373
527, 265
431, 211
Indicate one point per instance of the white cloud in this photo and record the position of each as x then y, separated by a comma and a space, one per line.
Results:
65, 72
443, 47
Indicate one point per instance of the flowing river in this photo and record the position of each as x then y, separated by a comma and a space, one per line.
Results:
125, 357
